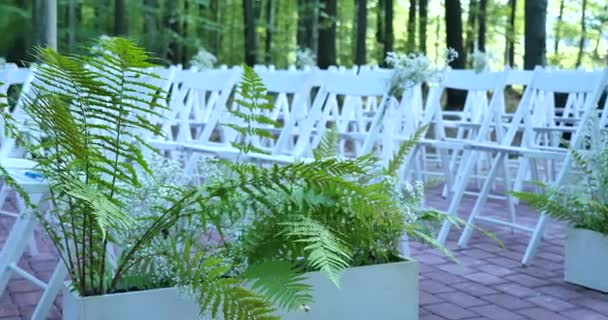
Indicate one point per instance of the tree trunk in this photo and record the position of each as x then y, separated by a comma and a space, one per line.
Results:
453, 22
327, 34
558, 26
269, 31
535, 33
171, 22
411, 27
481, 20
250, 36
471, 26
360, 53
306, 21
581, 43
510, 35
50, 24
380, 30
72, 22
120, 23
185, 30
422, 24
389, 34
150, 25
217, 32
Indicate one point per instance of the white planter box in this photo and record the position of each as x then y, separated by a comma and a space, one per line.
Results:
587, 259
387, 291
157, 304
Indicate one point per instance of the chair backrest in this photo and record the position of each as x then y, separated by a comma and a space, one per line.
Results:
348, 102
198, 99
537, 108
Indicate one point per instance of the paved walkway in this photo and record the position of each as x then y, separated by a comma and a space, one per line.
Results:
488, 282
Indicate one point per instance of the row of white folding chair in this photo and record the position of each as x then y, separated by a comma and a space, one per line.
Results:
543, 82
352, 110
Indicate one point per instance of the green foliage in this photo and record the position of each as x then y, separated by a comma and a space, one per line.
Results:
215, 293
328, 146
252, 103
404, 149
582, 199
280, 282
86, 115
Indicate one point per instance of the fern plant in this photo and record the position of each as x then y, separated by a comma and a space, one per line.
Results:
325, 215
88, 115
582, 199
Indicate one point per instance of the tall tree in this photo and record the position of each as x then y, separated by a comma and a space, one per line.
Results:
510, 35
558, 26
120, 23
171, 22
45, 23
326, 55
151, 25
307, 21
481, 30
250, 36
581, 43
389, 34
423, 12
453, 23
269, 31
380, 30
72, 22
535, 33
411, 27
217, 30
471, 26
360, 52
51, 24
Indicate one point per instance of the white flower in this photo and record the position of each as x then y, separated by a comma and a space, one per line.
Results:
481, 61
413, 69
305, 58
203, 60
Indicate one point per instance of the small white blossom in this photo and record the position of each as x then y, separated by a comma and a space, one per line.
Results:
305, 58
481, 61
203, 60
413, 69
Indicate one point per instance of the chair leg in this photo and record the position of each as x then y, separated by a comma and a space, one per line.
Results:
13, 249
481, 201
535, 240
457, 197
50, 292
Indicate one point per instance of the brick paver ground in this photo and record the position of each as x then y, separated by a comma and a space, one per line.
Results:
487, 283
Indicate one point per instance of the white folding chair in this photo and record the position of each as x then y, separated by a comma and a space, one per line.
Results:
537, 95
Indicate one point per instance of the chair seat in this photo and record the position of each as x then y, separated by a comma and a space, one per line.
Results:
17, 163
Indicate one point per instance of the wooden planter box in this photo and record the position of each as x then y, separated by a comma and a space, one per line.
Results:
587, 259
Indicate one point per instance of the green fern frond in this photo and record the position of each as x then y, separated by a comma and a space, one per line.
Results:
280, 282
326, 252
328, 146
204, 278
251, 103
404, 149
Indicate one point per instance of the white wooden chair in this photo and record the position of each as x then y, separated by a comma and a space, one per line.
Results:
543, 83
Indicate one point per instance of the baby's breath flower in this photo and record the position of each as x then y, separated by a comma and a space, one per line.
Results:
481, 61
305, 58
203, 60
413, 69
